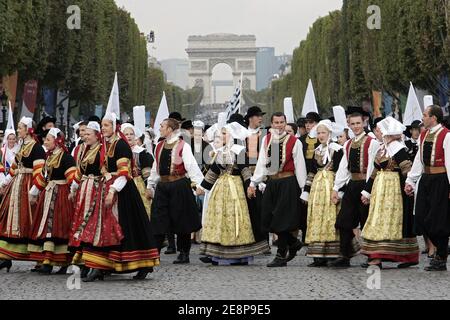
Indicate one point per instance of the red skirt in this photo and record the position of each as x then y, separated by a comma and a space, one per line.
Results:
53, 215
16, 213
93, 223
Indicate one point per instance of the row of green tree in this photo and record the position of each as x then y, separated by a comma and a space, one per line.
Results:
36, 41
346, 59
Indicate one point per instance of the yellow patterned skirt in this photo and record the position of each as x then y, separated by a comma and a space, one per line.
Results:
140, 185
321, 211
227, 220
385, 221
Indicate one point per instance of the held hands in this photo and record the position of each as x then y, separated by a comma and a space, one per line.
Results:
409, 190
150, 193
335, 198
365, 201
33, 200
199, 192
251, 192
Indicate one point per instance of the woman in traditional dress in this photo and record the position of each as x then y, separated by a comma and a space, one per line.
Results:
388, 233
321, 236
88, 181
143, 163
9, 149
227, 237
115, 234
16, 211
53, 214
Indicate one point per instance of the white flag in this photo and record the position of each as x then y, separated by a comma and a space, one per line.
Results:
139, 118
309, 104
413, 111
10, 124
163, 114
428, 101
289, 110
114, 102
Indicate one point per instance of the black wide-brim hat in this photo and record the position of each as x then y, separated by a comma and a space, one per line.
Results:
187, 125
313, 116
254, 111
176, 116
352, 109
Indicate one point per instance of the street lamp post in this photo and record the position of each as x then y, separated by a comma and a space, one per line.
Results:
61, 114
4, 99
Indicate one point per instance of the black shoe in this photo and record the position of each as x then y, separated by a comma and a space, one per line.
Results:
424, 251
6, 264
437, 264
206, 260
170, 251
62, 271
84, 272
240, 264
293, 249
318, 263
183, 258
36, 268
278, 262
142, 274
339, 263
94, 275
268, 252
407, 265
46, 269
275, 243
365, 265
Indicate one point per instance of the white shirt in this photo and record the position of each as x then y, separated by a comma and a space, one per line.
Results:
343, 175
189, 161
418, 166
262, 171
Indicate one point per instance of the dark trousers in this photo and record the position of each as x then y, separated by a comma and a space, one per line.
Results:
183, 242
285, 239
171, 240
441, 244
352, 214
346, 242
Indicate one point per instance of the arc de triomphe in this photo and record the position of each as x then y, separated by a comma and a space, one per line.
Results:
205, 52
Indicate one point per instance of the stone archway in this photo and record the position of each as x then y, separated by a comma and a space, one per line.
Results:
205, 52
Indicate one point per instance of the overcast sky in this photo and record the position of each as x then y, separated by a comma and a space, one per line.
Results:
275, 23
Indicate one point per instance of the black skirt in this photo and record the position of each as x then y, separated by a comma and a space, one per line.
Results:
432, 206
281, 206
133, 220
174, 209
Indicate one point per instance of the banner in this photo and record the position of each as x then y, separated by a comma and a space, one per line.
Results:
29, 98
377, 96
49, 95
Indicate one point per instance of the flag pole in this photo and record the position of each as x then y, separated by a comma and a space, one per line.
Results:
242, 94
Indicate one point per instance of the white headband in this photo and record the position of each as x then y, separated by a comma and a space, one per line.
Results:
54, 132
28, 122
127, 126
111, 117
93, 126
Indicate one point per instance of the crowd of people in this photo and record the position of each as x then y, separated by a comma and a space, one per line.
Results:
112, 198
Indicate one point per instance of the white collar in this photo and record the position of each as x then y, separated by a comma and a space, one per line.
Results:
362, 135
435, 128
173, 138
137, 149
254, 131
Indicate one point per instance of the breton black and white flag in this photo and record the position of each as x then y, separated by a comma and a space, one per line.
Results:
234, 105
